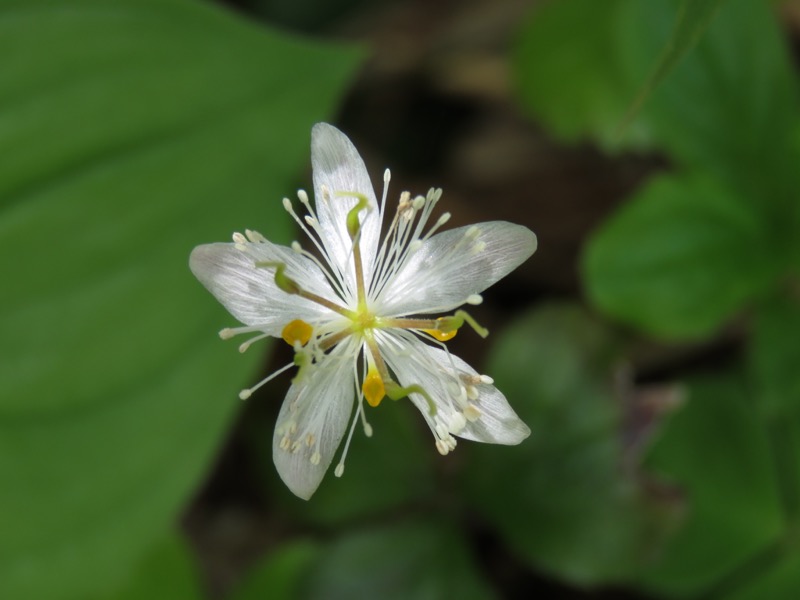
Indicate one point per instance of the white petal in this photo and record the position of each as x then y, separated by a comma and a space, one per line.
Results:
451, 266
319, 405
338, 166
440, 374
250, 293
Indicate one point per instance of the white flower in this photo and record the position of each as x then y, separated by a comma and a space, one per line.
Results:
359, 317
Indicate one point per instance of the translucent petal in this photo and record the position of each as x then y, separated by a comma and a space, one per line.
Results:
338, 166
444, 272
250, 293
439, 374
313, 419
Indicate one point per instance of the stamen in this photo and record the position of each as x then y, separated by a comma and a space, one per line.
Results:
474, 299
472, 413
297, 331
244, 346
457, 423
239, 239
245, 394
254, 236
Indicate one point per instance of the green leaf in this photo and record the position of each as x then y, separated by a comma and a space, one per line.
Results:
424, 560
728, 106
717, 449
570, 74
679, 258
779, 580
775, 355
166, 571
561, 499
692, 19
280, 576
138, 130
392, 468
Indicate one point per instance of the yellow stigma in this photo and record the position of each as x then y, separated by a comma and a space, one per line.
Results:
373, 388
297, 331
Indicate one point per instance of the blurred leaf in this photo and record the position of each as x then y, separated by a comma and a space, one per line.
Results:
775, 356
718, 450
679, 258
570, 74
281, 574
130, 132
388, 470
779, 581
727, 107
692, 19
166, 571
423, 560
561, 499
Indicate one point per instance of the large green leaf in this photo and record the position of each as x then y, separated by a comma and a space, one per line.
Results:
570, 74
719, 451
166, 571
779, 579
775, 355
422, 559
561, 498
691, 21
281, 574
681, 257
728, 107
130, 131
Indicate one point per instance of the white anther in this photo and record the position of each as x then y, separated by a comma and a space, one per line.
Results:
292, 427
487, 380
442, 447
418, 203
244, 346
441, 430
245, 394
296, 446
415, 245
310, 439
367, 430
285, 442
474, 299
226, 333
472, 413
473, 232
254, 236
472, 392
339, 470
387, 176
302, 196
311, 221
326, 195
457, 423
315, 458
451, 443
238, 238
478, 247
443, 219
287, 205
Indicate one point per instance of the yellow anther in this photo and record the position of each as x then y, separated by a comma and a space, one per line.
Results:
297, 331
373, 388
442, 336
